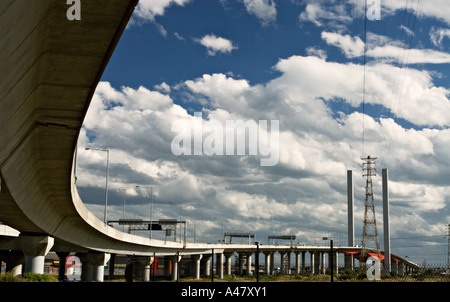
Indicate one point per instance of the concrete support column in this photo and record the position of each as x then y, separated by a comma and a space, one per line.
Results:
312, 262
228, 263
93, 266
334, 255
241, 263
219, 265
297, 262
288, 263
316, 262
99, 261
394, 267
272, 263
349, 262
207, 264
148, 268
303, 262
86, 267
322, 261
249, 264
175, 266
282, 262
62, 264
145, 263
112, 264
335, 262
400, 266
35, 248
196, 260
267, 263
14, 261
166, 267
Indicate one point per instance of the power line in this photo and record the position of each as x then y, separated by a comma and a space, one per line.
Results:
400, 78
420, 237
364, 79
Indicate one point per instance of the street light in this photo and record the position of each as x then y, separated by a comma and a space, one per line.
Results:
151, 206
105, 214
331, 256
257, 261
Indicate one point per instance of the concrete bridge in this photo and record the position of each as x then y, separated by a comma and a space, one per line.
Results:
50, 67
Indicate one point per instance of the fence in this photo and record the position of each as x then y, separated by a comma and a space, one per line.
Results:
360, 273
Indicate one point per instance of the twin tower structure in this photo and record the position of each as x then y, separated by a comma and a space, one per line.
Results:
370, 231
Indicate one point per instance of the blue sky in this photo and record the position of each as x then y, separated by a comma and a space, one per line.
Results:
297, 62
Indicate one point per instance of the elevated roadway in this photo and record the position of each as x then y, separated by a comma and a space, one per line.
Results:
50, 67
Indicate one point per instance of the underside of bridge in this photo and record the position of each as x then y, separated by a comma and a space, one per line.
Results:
50, 67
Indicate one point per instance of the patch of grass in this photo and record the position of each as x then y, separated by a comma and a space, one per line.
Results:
28, 277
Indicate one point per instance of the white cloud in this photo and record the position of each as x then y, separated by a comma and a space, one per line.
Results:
439, 9
343, 12
264, 10
437, 35
351, 46
316, 13
223, 91
216, 44
383, 49
307, 78
149, 9
414, 56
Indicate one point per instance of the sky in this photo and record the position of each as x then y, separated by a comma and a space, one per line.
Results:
325, 82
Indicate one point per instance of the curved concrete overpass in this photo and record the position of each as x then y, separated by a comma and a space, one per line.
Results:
50, 67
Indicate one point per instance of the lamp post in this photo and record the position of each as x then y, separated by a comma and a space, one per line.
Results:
331, 256
257, 261
151, 207
105, 214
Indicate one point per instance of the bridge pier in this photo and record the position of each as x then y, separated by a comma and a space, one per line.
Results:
228, 262
219, 265
297, 262
13, 260
282, 262
249, 264
35, 248
145, 263
268, 262
62, 264
349, 262
175, 266
206, 258
322, 261
93, 265
196, 263
303, 269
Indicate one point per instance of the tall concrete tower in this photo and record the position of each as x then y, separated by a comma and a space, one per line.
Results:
350, 205
370, 223
386, 228
348, 259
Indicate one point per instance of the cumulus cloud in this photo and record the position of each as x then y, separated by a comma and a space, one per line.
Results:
350, 46
216, 44
264, 10
343, 12
149, 9
320, 12
380, 48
